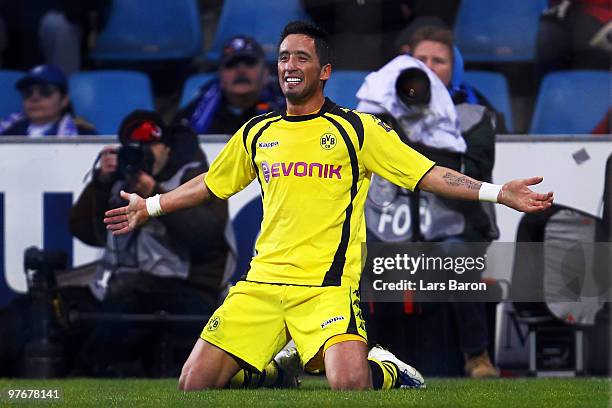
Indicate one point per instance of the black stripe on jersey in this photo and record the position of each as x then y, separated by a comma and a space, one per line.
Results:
352, 118
250, 124
334, 274
254, 150
352, 325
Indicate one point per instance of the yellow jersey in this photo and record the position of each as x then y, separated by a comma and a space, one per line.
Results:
314, 172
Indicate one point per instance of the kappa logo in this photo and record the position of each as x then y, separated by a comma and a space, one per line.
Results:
332, 320
267, 145
328, 141
213, 323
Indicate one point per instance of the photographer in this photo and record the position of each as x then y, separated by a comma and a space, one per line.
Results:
175, 263
411, 98
411, 94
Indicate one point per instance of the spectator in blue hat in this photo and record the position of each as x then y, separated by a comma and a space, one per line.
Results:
46, 107
242, 89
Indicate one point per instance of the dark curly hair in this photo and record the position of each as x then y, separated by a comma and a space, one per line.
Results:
323, 46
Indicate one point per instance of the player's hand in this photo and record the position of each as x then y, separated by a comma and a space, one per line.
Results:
517, 194
125, 219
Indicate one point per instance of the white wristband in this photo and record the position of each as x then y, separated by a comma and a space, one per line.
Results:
489, 192
154, 206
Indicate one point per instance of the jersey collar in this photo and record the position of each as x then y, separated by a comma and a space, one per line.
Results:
328, 105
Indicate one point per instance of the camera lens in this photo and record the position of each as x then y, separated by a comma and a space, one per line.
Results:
413, 87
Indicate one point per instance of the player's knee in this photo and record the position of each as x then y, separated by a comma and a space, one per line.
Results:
186, 382
191, 382
181, 382
349, 380
191, 379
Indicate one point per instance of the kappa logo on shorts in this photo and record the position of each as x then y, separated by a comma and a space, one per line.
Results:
332, 320
213, 323
328, 141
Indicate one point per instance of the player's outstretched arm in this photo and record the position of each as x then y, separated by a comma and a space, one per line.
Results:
125, 219
514, 194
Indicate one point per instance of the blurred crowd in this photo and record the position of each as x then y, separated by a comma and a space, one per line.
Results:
233, 68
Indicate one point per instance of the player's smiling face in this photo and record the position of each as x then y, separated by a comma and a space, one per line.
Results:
299, 70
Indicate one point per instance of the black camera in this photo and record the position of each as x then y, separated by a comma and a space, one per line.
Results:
133, 158
43, 355
40, 267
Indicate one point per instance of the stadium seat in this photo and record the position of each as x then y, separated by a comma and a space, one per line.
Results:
498, 31
11, 99
494, 87
262, 20
140, 30
342, 87
571, 102
192, 86
105, 97
559, 280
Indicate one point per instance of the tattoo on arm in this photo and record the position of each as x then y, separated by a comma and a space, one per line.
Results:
456, 181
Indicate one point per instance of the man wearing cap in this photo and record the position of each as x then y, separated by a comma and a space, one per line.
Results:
241, 91
165, 266
46, 107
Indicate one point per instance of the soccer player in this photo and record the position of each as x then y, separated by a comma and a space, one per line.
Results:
313, 163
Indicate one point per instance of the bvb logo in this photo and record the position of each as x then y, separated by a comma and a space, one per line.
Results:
328, 141
213, 323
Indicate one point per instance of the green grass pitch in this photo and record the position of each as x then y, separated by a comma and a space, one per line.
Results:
504, 393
